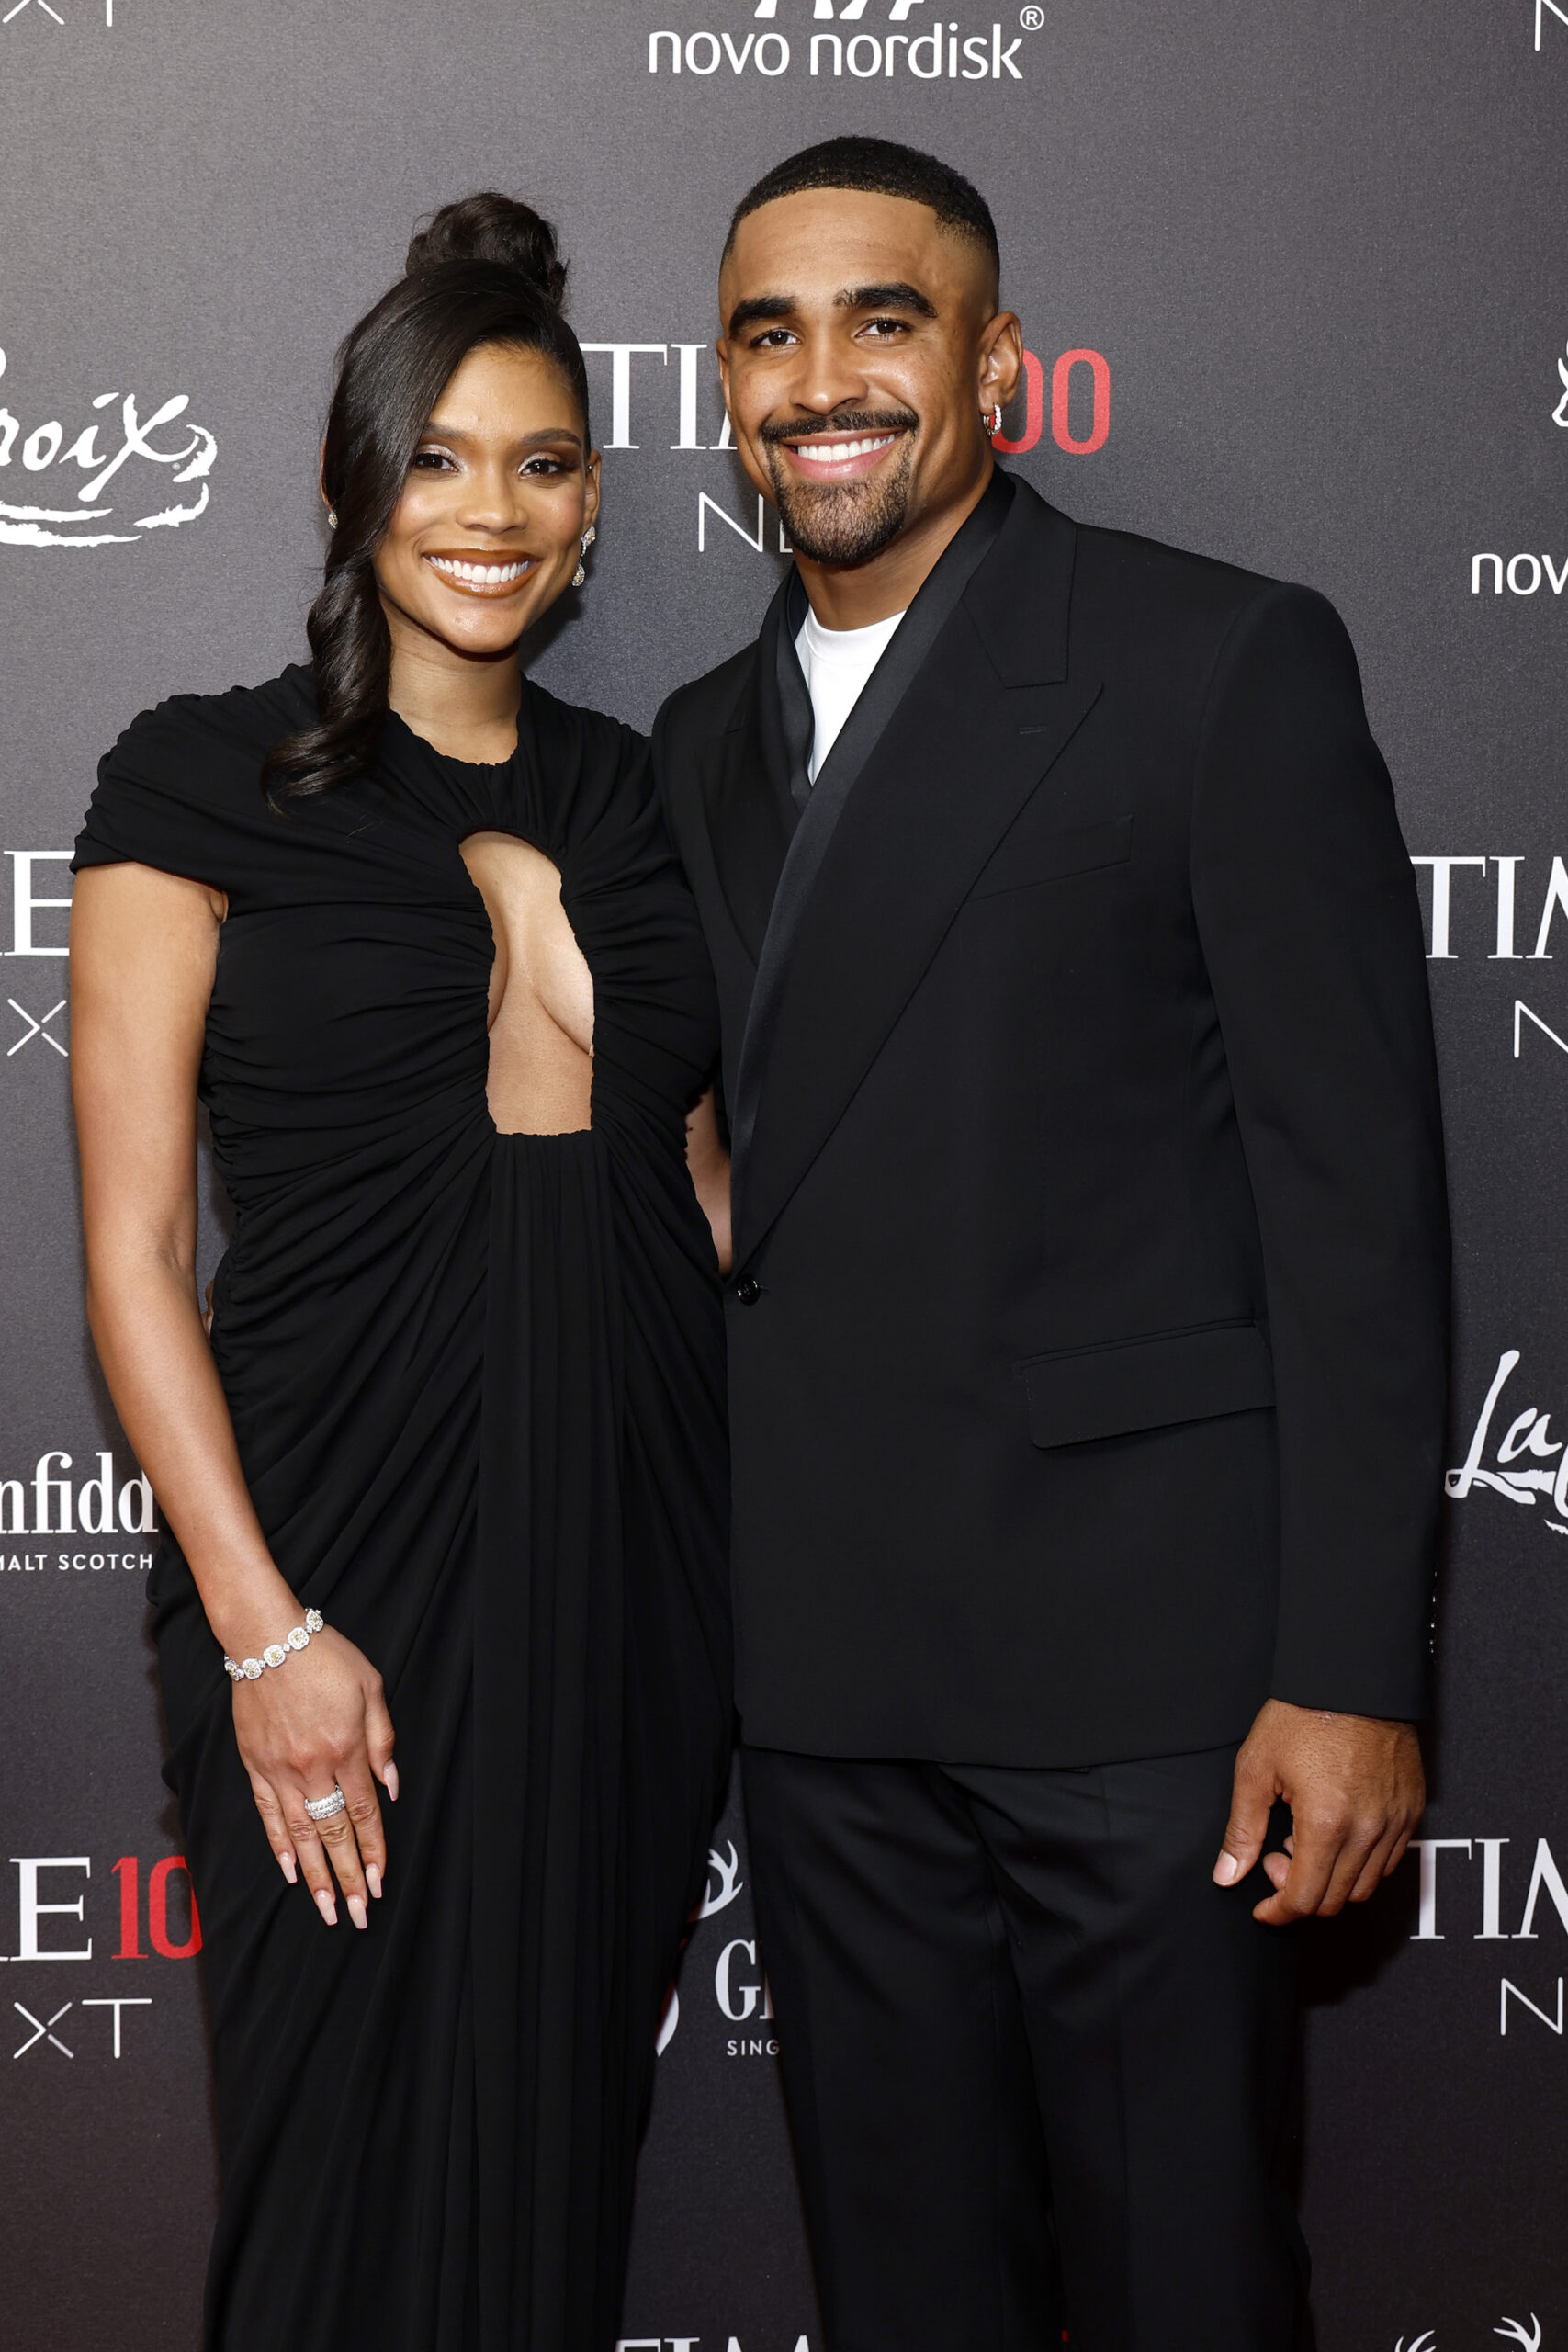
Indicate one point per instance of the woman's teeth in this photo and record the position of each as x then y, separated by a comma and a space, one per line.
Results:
834, 453
477, 575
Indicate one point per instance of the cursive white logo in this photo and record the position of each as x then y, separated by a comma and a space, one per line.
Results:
44, 446
1527, 1438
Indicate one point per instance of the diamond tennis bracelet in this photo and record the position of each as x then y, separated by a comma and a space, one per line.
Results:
249, 1669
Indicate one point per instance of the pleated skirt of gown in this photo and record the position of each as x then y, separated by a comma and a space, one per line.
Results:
428, 2130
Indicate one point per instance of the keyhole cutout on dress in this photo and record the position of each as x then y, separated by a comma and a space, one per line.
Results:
541, 992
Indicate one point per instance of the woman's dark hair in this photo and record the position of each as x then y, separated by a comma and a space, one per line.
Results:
485, 270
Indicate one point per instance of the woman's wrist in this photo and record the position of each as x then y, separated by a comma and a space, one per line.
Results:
245, 1624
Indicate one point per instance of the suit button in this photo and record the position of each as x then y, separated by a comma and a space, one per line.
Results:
750, 1290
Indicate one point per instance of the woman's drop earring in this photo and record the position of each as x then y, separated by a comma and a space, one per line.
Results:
579, 576
332, 517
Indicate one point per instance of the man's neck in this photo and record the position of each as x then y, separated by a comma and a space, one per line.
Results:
853, 596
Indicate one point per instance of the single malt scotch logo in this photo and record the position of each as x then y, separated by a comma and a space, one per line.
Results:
79, 481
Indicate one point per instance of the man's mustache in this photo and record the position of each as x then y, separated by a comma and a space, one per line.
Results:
854, 420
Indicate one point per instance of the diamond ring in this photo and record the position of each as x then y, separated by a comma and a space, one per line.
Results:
327, 1808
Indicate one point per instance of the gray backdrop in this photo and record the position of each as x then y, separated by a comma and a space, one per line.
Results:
1318, 249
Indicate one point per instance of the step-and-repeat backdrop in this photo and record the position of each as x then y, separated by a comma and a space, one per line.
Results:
1294, 289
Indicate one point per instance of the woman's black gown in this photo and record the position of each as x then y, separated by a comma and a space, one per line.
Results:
477, 1385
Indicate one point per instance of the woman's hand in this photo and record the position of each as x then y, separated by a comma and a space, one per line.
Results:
319, 1721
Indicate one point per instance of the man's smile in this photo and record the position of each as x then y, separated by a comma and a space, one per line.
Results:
846, 458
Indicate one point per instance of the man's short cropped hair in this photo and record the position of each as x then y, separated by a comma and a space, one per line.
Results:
878, 167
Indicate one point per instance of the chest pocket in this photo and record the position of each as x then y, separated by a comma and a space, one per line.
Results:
1020, 863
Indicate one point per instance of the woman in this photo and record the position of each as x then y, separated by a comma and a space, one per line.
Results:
450, 1475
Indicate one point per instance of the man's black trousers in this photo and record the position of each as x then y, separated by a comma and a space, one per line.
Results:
1039, 2067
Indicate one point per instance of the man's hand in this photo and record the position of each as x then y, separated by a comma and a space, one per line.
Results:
1356, 1791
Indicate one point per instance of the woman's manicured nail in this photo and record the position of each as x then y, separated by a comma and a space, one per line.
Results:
390, 1783
373, 1879
286, 1864
356, 1911
326, 1906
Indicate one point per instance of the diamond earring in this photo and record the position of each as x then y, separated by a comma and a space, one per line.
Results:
332, 517
579, 575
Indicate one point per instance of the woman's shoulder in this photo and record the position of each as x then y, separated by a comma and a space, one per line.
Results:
242, 724
181, 788
586, 735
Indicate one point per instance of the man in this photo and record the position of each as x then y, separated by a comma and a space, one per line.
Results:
1087, 1318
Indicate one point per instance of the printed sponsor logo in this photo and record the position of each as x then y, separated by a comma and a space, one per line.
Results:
53, 1927
738, 2000
1560, 414
1483, 1894
1527, 1466
933, 48
136, 461
1514, 2330
37, 928
1522, 576
687, 2344
48, 1503
1510, 899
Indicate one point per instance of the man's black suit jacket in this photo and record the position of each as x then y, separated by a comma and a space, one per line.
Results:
1088, 1317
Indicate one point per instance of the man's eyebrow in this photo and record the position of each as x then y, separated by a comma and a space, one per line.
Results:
895, 297
760, 306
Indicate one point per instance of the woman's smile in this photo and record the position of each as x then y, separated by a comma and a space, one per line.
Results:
474, 574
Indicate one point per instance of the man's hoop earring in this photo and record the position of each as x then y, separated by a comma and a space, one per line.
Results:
992, 421
579, 575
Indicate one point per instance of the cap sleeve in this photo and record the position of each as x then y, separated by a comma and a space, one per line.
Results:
182, 791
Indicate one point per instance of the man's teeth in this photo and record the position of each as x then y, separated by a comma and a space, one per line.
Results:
479, 575
833, 453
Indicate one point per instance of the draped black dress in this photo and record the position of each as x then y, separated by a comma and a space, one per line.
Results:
477, 1383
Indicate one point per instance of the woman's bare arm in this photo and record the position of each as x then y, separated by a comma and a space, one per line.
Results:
710, 1163
143, 952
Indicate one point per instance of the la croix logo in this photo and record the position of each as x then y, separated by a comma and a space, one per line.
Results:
1527, 1440
189, 455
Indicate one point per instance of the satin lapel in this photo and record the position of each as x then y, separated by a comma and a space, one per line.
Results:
750, 818
990, 712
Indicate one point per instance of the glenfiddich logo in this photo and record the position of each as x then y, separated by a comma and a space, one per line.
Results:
130, 452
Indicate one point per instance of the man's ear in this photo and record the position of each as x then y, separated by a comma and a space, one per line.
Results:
1001, 360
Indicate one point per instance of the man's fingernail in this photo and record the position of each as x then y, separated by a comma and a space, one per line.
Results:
1227, 1870
286, 1864
373, 1879
326, 1906
390, 1783
356, 1911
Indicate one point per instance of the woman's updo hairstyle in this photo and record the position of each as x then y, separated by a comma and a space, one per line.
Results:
485, 270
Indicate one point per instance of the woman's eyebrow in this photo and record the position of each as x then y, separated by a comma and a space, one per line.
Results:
436, 431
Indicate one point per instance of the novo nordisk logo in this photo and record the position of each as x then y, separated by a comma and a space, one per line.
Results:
115, 471
933, 50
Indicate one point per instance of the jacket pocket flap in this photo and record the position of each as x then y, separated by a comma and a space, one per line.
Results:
1050, 858
1148, 1383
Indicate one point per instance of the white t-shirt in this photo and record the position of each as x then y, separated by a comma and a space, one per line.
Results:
837, 662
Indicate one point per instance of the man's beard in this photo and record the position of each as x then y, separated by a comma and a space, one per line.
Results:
843, 522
